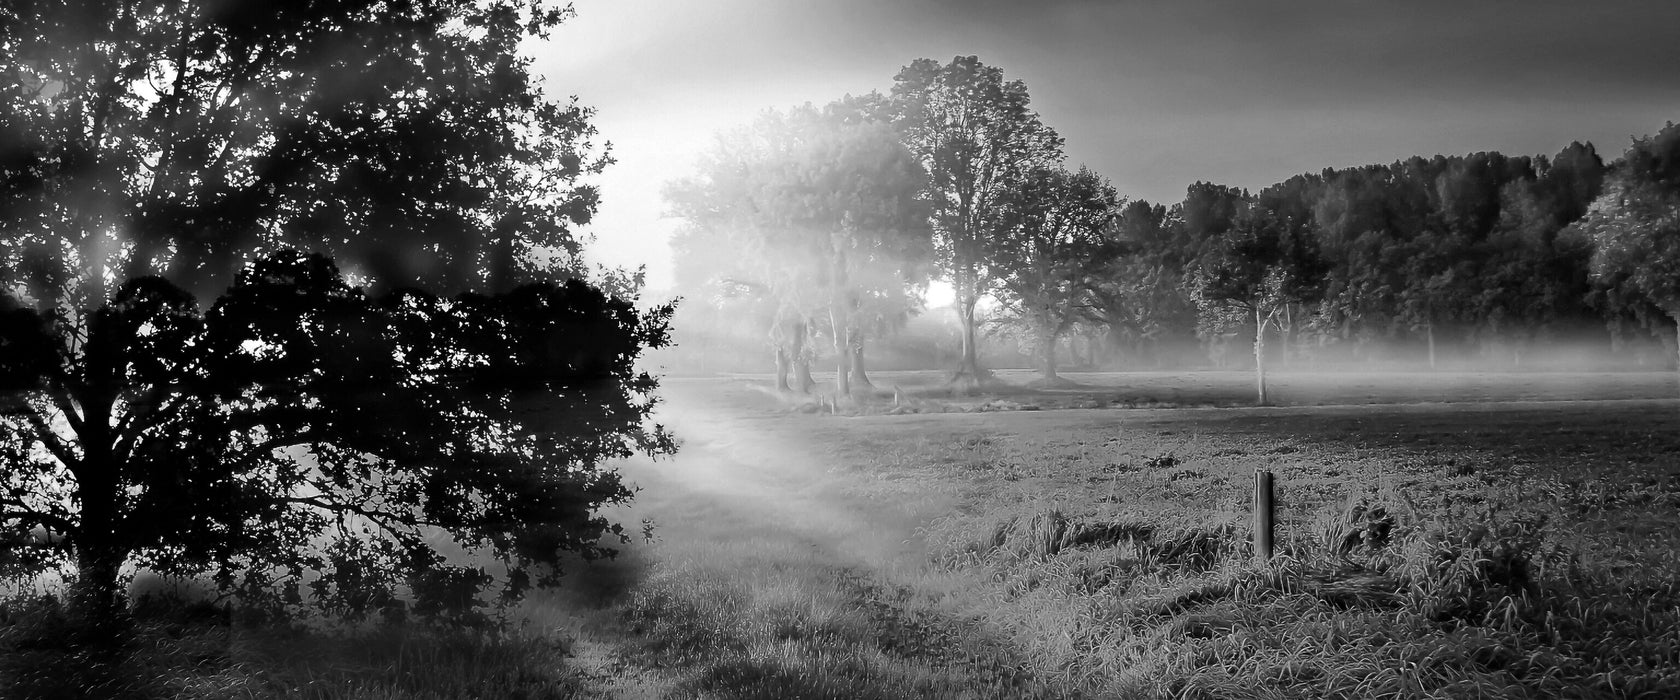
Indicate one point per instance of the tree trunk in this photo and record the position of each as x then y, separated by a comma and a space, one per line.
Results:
859, 379
969, 375
842, 357
1675, 314
1260, 356
1429, 334
94, 596
782, 366
801, 364
1047, 340
1285, 330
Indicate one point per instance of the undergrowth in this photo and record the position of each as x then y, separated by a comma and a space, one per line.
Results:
177, 649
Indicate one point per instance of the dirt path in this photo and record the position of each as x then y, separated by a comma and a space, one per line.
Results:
770, 573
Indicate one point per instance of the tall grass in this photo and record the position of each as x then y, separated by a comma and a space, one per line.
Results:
1371, 598
1423, 551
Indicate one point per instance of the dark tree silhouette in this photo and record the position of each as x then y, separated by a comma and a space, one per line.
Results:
303, 429
302, 440
407, 140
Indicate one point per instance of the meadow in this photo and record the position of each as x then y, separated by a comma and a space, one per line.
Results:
1518, 535
1439, 535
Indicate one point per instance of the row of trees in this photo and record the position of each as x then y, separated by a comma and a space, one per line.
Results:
1484, 249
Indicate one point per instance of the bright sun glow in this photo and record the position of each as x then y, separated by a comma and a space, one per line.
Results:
940, 294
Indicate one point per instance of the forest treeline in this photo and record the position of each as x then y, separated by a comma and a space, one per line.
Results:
820, 227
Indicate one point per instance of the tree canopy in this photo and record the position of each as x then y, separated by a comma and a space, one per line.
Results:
1634, 226
392, 366
303, 433
407, 140
1049, 251
822, 210
977, 137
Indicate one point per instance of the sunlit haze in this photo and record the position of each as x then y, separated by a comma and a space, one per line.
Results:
1154, 96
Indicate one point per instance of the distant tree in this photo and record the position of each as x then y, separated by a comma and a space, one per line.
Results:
731, 251
302, 441
823, 209
977, 139
1257, 269
410, 141
1634, 225
1208, 213
1046, 253
1137, 290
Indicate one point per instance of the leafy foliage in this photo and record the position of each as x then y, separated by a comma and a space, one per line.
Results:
407, 140
1049, 249
821, 213
302, 439
1634, 225
977, 138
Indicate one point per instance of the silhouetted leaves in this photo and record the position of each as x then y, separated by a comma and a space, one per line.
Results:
409, 140
303, 438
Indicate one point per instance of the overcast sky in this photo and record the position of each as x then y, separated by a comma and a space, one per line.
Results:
1153, 95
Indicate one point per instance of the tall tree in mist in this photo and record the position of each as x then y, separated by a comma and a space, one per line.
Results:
407, 140
977, 139
1256, 270
823, 211
150, 151
736, 256
1634, 225
1047, 251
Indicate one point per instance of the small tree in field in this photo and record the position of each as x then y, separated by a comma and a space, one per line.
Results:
301, 440
1256, 270
1634, 225
1047, 254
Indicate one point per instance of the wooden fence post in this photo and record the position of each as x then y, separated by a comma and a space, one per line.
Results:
1265, 516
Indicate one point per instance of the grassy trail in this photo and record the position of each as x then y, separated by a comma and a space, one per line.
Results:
769, 576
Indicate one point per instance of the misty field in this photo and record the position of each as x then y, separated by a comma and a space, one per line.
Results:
1520, 541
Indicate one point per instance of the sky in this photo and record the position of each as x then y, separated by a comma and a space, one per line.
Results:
1152, 95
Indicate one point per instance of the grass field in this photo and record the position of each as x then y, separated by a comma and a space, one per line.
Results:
1488, 535
1525, 548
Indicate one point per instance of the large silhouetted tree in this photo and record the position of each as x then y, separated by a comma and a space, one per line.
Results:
302, 433
302, 429
407, 140
978, 139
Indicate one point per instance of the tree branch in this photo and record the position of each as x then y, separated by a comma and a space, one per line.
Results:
54, 444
